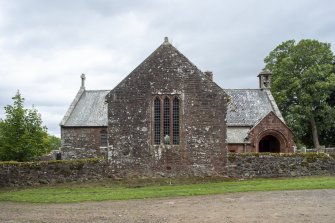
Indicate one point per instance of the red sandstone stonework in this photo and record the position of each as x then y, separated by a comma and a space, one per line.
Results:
271, 125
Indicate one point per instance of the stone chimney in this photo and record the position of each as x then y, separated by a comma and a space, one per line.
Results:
265, 79
209, 75
82, 81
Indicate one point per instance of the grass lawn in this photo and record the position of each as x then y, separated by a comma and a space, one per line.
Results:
99, 191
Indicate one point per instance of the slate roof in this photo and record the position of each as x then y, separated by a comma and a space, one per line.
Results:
237, 134
89, 109
248, 106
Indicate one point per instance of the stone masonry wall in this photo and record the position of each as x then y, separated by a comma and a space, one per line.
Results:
239, 166
83, 142
202, 147
51, 172
272, 125
279, 165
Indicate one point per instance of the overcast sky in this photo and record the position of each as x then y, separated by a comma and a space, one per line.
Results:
45, 45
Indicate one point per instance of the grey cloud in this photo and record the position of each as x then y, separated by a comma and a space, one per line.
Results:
46, 39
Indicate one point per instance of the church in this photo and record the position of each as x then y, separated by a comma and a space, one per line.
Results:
169, 116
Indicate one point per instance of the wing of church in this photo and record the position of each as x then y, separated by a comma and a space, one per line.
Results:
167, 115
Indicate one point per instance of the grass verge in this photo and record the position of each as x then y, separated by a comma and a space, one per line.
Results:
109, 191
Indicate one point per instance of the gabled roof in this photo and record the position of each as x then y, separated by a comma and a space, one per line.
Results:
271, 113
87, 110
166, 61
248, 106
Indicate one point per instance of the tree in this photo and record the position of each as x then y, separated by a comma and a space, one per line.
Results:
55, 142
22, 136
328, 136
303, 81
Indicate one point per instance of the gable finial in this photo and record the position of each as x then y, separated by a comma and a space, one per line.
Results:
166, 40
82, 80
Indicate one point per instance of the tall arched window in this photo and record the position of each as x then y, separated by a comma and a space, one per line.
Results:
103, 138
176, 120
166, 127
157, 121
166, 121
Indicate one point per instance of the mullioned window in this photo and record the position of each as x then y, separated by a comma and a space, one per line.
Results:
166, 118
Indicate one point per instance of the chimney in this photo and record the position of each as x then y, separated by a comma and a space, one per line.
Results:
265, 79
209, 75
82, 81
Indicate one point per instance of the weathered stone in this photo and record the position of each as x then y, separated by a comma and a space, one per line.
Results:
79, 143
128, 114
279, 165
202, 148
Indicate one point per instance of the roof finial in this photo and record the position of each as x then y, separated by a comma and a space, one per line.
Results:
166, 40
83, 80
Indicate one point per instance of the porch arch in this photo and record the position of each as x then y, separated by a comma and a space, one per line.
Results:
271, 141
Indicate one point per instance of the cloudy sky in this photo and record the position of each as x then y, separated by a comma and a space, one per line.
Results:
45, 45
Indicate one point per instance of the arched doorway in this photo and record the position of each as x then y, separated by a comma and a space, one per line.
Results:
269, 144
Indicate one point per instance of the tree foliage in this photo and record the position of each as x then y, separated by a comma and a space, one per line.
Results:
54, 142
303, 81
22, 136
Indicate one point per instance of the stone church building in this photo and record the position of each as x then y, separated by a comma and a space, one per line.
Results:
168, 116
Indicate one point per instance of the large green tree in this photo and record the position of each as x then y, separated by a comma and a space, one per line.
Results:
22, 136
302, 83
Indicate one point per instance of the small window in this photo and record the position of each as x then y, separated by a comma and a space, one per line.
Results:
103, 138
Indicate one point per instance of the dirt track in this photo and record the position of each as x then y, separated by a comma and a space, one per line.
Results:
278, 206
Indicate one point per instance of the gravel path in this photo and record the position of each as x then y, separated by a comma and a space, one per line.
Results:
275, 206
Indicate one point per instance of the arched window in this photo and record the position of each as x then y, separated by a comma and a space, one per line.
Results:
166, 127
103, 138
157, 121
166, 121
175, 120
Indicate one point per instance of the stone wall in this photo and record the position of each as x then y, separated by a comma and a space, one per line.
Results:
83, 142
239, 166
279, 165
51, 172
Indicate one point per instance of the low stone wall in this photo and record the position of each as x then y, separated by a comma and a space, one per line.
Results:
239, 166
279, 165
51, 172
